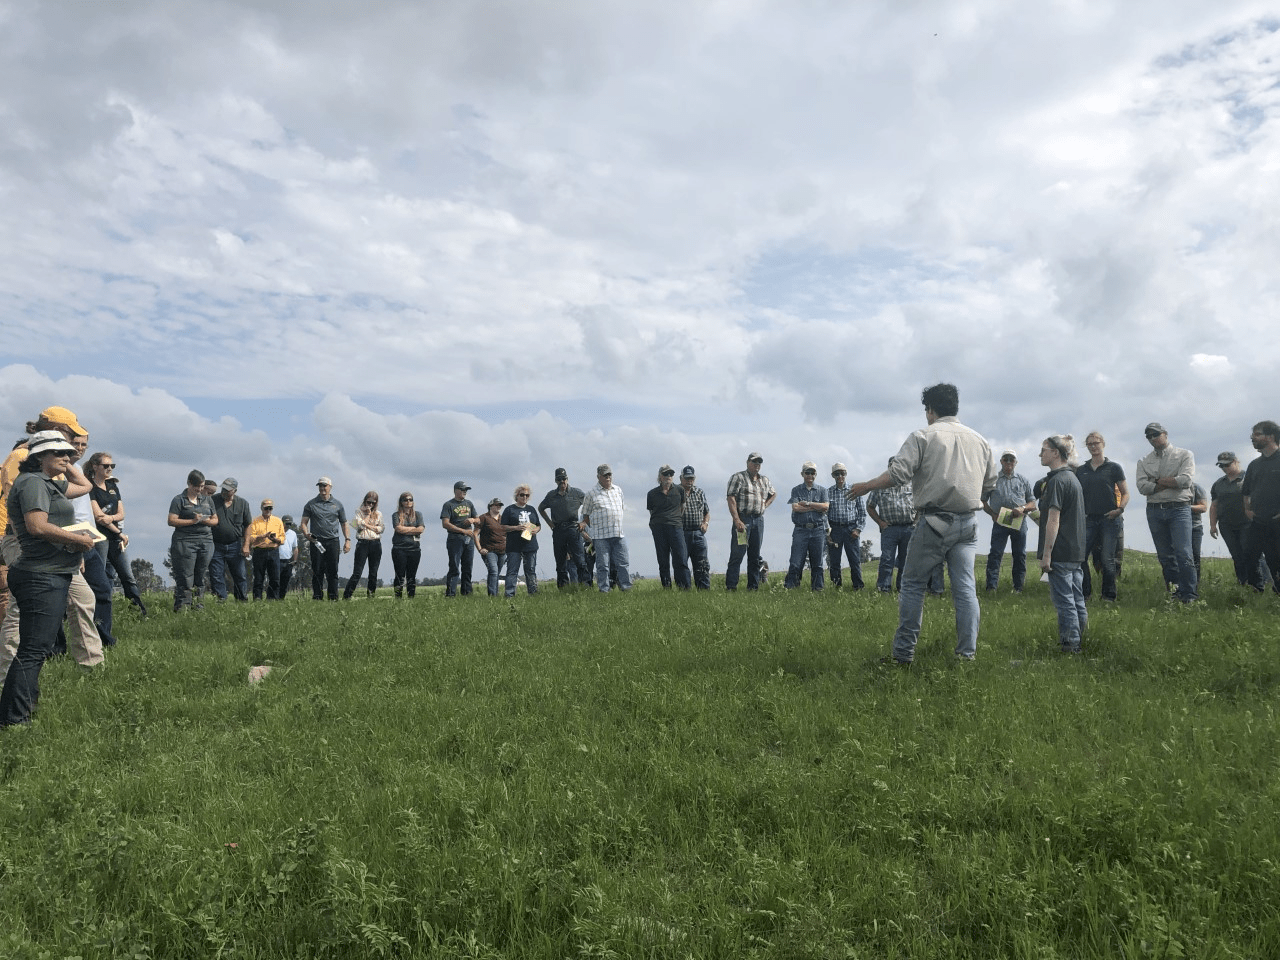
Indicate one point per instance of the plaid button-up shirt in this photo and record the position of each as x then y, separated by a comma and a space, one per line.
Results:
844, 512
695, 508
895, 505
751, 495
604, 509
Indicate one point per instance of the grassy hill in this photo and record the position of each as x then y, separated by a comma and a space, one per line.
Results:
654, 775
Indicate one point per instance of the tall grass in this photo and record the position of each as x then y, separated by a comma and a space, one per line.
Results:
653, 775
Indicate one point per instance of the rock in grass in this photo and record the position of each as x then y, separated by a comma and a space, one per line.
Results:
258, 674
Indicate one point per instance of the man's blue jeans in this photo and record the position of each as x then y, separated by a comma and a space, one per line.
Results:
1235, 539
957, 545
461, 556
228, 556
807, 542
494, 564
751, 549
1171, 532
42, 601
668, 542
1017, 540
1066, 588
571, 557
844, 545
696, 542
893, 553
612, 551
1100, 533
95, 574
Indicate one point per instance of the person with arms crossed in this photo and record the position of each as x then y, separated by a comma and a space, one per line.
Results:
1164, 477
602, 515
665, 504
808, 528
950, 468
561, 508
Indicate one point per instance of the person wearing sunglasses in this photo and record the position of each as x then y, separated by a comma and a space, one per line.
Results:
665, 503
369, 529
108, 514
809, 506
263, 540
458, 517
406, 545
521, 522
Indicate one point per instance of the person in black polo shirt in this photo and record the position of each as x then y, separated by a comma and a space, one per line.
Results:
560, 508
665, 503
1226, 513
234, 517
1106, 494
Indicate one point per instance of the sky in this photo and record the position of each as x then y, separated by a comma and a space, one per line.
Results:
405, 243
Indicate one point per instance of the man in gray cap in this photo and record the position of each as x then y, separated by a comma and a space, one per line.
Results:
323, 519
1226, 513
602, 512
560, 508
234, 517
695, 518
1165, 477
749, 494
458, 517
1013, 493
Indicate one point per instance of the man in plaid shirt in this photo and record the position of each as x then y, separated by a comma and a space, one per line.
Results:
602, 511
846, 518
749, 494
894, 513
696, 515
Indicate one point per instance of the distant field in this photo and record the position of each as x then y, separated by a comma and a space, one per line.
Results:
654, 775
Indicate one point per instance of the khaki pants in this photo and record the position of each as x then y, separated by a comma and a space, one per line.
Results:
83, 641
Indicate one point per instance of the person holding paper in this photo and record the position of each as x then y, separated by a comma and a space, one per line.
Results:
749, 495
1007, 505
521, 522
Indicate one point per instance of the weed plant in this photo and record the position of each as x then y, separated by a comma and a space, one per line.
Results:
654, 774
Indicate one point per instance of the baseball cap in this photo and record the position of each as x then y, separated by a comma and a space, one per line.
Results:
65, 417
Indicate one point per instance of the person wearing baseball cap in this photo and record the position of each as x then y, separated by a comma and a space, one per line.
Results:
1012, 496
560, 508
846, 519
665, 504
809, 508
263, 541
697, 514
749, 494
230, 546
1226, 514
458, 517
323, 519
1165, 477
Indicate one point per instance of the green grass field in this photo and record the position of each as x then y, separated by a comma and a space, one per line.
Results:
654, 775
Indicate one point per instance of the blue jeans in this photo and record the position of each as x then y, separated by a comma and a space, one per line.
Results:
844, 545
1017, 540
668, 542
1100, 533
696, 542
42, 601
571, 557
1171, 532
957, 546
494, 564
530, 558
189, 560
612, 551
755, 537
807, 542
118, 560
1066, 589
99, 580
461, 554
893, 553
227, 556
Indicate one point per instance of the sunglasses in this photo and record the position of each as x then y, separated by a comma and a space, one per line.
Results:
840, 473
603, 475
406, 499
107, 466
668, 473
267, 509
811, 473
519, 495
757, 460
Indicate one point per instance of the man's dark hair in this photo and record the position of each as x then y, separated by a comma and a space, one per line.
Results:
195, 477
942, 398
1270, 428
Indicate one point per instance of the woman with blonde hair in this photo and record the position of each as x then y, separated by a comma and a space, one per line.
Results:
1062, 539
369, 528
522, 526
406, 545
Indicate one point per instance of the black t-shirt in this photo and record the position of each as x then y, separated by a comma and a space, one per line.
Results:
1262, 486
108, 502
514, 514
666, 510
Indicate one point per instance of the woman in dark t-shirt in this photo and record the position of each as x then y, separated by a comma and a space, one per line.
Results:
108, 513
